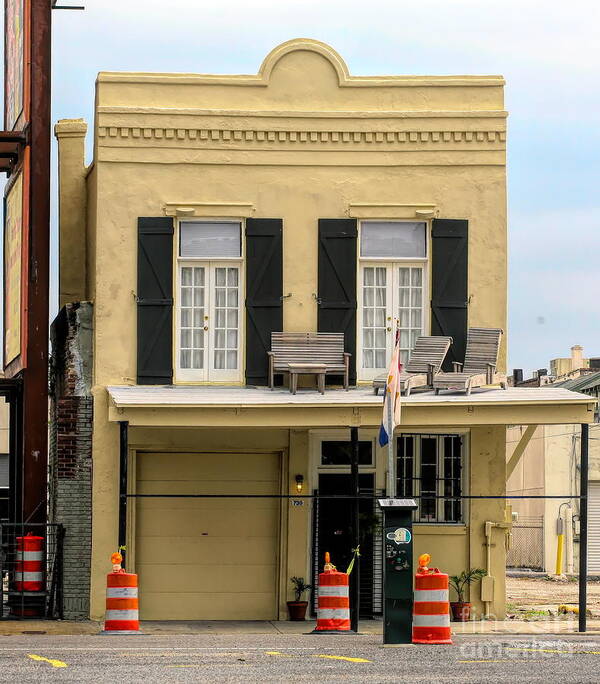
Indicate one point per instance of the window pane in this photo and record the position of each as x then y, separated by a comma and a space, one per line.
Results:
220, 276
219, 339
404, 467
219, 359
198, 357
232, 318
186, 296
185, 360
232, 295
368, 358
429, 476
232, 277
186, 276
205, 239
232, 360
186, 318
339, 453
392, 239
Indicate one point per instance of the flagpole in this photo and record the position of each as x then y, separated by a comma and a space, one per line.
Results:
390, 480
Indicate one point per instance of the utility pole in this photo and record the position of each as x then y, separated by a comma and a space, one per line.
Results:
355, 489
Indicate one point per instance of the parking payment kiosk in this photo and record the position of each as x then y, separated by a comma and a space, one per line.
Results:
398, 570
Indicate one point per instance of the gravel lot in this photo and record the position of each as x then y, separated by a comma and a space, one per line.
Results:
524, 595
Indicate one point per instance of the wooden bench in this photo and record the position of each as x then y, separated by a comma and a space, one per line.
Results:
308, 348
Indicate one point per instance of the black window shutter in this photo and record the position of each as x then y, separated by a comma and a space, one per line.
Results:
337, 282
264, 289
449, 296
155, 301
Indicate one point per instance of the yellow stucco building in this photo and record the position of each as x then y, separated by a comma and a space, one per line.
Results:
219, 209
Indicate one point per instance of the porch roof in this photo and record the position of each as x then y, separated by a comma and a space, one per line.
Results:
210, 406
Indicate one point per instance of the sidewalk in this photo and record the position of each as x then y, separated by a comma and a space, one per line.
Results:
66, 627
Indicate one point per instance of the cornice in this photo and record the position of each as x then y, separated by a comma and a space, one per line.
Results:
300, 114
140, 134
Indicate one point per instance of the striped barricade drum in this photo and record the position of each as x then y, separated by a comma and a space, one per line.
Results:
431, 609
29, 565
333, 610
122, 614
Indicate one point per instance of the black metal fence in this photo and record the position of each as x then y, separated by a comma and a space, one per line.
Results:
31, 571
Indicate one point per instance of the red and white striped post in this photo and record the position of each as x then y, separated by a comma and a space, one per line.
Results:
122, 610
431, 608
333, 609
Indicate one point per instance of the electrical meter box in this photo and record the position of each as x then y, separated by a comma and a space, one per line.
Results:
397, 570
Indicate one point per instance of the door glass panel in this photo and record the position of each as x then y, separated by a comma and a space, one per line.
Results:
374, 312
191, 321
410, 308
226, 317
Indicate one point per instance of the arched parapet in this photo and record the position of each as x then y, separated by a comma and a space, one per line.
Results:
306, 45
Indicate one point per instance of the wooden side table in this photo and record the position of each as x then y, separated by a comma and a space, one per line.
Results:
317, 369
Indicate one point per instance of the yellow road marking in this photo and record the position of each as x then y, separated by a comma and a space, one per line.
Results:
552, 650
485, 661
54, 663
278, 653
350, 660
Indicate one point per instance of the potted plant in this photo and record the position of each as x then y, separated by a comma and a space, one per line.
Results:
297, 607
461, 610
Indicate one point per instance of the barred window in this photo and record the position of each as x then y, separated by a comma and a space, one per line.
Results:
430, 468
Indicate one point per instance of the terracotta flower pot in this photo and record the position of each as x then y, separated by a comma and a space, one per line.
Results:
461, 612
297, 610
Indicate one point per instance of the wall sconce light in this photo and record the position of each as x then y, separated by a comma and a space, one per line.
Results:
299, 483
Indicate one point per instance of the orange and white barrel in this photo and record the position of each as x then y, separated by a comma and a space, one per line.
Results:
122, 611
431, 608
333, 608
29, 564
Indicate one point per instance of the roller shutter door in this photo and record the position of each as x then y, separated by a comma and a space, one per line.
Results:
207, 559
594, 529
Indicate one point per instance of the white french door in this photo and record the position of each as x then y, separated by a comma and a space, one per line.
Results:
390, 295
208, 322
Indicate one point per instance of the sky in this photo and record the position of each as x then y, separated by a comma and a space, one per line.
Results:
549, 53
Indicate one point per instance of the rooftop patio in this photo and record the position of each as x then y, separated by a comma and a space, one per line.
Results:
213, 406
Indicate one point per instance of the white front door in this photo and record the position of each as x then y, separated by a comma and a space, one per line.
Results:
208, 322
390, 295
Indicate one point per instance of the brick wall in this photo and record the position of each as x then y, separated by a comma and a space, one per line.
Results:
71, 449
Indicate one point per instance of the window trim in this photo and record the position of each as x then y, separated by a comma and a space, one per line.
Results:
187, 376
368, 374
426, 223
465, 475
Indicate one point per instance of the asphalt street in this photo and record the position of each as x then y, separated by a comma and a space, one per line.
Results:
295, 658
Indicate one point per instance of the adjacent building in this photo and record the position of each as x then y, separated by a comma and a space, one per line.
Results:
217, 210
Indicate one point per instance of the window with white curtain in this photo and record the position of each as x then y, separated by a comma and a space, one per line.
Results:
208, 316
392, 292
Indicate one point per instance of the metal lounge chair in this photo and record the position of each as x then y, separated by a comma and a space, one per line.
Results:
425, 361
479, 368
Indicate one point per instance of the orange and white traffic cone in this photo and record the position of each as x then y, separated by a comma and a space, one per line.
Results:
122, 611
431, 608
333, 610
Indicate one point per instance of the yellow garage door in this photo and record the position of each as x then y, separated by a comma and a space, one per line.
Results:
207, 559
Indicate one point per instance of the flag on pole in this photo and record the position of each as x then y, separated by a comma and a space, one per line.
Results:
391, 401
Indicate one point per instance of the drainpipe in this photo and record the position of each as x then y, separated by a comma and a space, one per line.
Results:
569, 539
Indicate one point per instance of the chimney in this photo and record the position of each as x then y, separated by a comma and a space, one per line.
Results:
576, 357
517, 376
